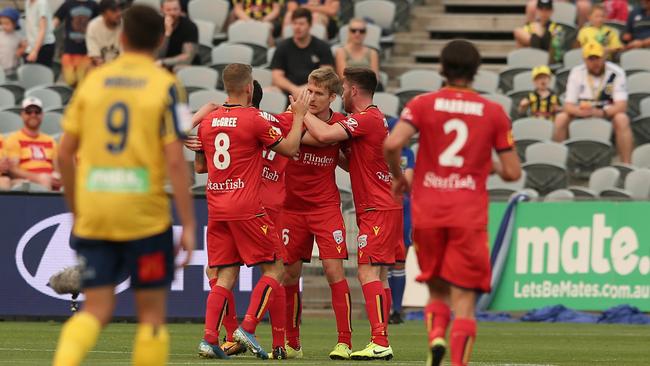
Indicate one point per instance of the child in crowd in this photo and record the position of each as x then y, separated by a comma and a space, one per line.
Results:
542, 102
597, 31
12, 44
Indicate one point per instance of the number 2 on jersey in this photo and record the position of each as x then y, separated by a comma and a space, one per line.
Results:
450, 156
221, 158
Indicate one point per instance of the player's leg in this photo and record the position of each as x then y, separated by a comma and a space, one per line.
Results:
230, 347
293, 309
463, 329
278, 305
151, 346
388, 295
397, 275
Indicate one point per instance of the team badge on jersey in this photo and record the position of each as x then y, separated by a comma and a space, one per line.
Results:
338, 236
362, 241
376, 229
264, 228
274, 132
351, 123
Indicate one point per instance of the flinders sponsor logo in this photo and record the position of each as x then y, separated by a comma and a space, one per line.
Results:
596, 249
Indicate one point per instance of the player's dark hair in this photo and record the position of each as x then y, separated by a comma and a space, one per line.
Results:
258, 93
236, 77
143, 27
460, 60
302, 13
361, 77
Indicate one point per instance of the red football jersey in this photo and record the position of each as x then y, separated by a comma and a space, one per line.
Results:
458, 130
274, 165
369, 175
311, 183
233, 139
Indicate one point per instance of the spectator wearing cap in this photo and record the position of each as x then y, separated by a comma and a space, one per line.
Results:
542, 33
12, 44
637, 29
597, 31
103, 33
32, 153
181, 37
39, 31
582, 8
596, 89
542, 102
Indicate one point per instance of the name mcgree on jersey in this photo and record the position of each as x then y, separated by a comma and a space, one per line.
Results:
224, 122
228, 186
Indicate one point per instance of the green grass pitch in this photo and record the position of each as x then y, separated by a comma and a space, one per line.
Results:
32, 343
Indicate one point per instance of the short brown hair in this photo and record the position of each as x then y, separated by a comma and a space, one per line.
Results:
302, 13
326, 78
460, 60
362, 78
143, 27
236, 77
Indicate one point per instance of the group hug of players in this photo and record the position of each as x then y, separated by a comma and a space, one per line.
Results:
271, 191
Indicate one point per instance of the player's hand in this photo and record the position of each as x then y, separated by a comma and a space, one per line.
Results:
524, 103
32, 57
193, 143
635, 44
400, 186
188, 243
300, 106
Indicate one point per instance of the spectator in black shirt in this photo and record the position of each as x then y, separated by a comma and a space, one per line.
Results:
296, 57
181, 37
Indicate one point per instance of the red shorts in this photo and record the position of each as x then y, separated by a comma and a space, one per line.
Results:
400, 251
459, 256
280, 249
380, 232
249, 242
300, 229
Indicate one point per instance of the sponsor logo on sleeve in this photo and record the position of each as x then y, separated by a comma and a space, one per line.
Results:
351, 123
274, 132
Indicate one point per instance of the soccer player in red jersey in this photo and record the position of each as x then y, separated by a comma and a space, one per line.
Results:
239, 229
312, 210
379, 216
458, 131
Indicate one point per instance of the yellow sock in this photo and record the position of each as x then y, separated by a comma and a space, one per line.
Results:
151, 346
78, 336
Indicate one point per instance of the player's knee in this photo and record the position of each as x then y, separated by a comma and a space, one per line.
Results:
227, 276
292, 273
333, 270
367, 273
274, 270
211, 273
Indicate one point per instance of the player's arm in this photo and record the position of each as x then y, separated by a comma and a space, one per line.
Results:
200, 163
308, 139
66, 158
202, 112
344, 161
289, 146
508, 167
323, 132
393, 145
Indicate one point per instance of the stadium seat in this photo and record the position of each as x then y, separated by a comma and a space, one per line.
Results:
317, 30
637, 89
199, 98
50, 98
644, 106
10, 122
228, 53
373, 36
254, 34
387, 103
486, 81
572, 58
206, 34
589, 146
527, 131
641, 156
561, 78
214, 11
637, 187
64, 91
498, 189
274, 102
383, 78
636, 60
380, 12
546, 167
599, 180
7, 98
641, 129
269, 56
526, 57
31, 75
263, 76
504, 100
15, 89
337, 104
51, 123
198, 77
559, 195
564, 12
3, 78
415, 82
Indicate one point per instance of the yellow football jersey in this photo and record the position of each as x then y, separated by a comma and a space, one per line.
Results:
34, 154
123, 114
605, 35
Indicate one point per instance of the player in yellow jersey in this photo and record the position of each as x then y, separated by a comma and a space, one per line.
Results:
124, 123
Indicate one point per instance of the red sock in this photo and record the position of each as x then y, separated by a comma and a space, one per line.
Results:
230, 321
342, 306
463, 334
259, 303
215, 311
294, 312
388, 304
278, 314
437, 314
373, 292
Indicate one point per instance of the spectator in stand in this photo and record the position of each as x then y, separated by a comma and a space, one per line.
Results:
39, 31
543, 33
637, 30
5, 180
103, 34
295, 58
76, 14
12, 44
616, 10
354, 53
542, 102
267, 11
31, 152
181, 37
597, 31
596, 89
324, 12
582, 8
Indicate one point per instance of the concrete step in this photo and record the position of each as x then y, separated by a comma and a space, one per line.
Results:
418, 45
395, 69
485, 6
487, 58
464, 23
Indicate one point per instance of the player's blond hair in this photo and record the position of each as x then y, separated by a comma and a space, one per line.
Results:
236, 77
325, 77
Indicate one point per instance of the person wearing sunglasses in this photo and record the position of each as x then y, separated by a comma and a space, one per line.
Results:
354, 53
32, 154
